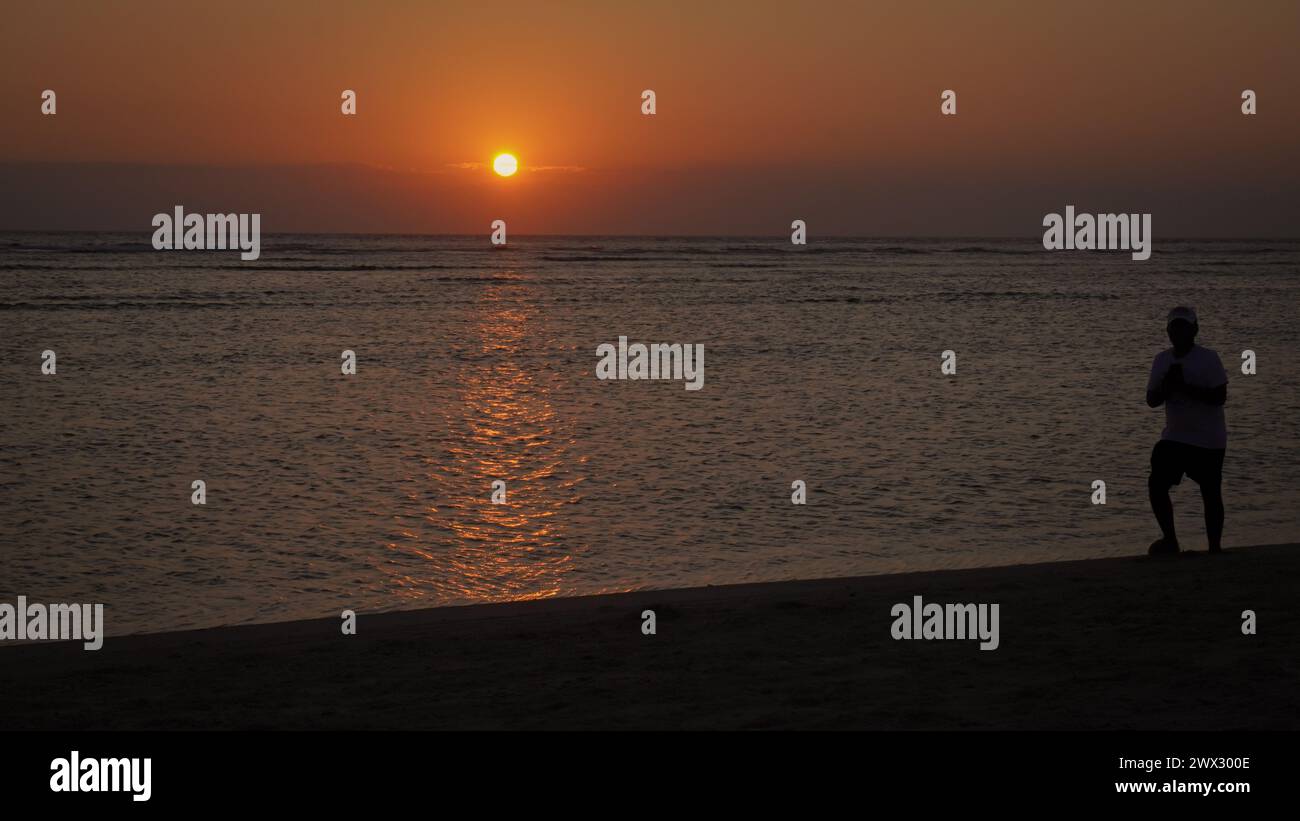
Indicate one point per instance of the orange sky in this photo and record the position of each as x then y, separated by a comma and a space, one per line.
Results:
829, 102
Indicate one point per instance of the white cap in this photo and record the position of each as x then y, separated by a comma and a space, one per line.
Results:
1182, 312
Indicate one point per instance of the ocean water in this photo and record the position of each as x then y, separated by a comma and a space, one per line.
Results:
822, 364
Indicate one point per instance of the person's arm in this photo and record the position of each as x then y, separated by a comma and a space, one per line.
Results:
1158, 386
1175, 383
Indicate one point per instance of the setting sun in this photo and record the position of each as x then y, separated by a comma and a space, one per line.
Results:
505, 164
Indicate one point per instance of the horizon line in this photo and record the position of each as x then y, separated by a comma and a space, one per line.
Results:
777, 235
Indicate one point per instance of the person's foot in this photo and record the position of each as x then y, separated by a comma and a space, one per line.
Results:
1163, 547
1216, 549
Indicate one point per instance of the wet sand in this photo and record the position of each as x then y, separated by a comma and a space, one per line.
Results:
1113, 644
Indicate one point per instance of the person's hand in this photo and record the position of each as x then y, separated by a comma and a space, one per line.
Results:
1174, 376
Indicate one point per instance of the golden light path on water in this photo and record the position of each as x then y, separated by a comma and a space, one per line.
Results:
502, 426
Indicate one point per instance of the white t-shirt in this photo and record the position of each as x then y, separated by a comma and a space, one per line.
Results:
1187, 420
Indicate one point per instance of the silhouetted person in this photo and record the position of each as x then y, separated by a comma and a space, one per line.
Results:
1190, 382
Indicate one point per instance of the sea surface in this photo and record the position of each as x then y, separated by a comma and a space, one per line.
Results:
822, 364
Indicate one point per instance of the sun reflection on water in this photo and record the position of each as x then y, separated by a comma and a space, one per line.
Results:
500, 426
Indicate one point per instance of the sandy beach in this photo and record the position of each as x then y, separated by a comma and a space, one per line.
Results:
1106, 644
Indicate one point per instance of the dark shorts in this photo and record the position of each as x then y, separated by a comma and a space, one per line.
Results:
1170, 460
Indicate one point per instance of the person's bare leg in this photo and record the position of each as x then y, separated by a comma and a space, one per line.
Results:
1212, 498
1163, 507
